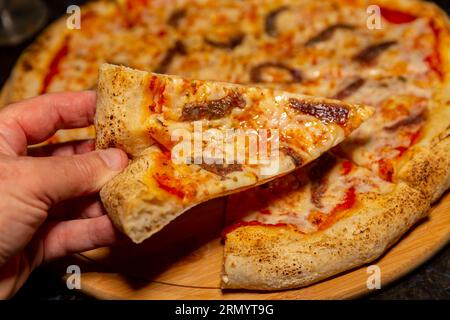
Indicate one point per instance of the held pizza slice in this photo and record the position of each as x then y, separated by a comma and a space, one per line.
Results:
142, 112
316, 222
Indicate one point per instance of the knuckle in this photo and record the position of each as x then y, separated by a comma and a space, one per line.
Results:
87, 168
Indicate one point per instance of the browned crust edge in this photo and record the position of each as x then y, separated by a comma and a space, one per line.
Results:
429, 170
275, 258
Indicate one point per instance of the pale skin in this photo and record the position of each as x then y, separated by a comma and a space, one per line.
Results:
49, 204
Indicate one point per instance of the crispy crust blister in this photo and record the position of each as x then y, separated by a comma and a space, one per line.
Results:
150, 193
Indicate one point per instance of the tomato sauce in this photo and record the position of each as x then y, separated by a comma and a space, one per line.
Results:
396, 16
347, 167
54, 66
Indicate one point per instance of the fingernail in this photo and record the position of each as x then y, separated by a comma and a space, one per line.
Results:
113, 158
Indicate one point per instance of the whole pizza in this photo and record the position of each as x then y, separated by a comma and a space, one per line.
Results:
342, 210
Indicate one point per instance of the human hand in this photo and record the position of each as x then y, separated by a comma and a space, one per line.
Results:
49, 206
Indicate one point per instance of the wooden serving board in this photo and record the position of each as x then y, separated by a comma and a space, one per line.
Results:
184, 262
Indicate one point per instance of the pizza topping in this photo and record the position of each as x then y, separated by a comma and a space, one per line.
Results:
221, 169
321, 166
232, 43
257, 72
178, 48
165, 183
322, 220
270, 25
396, 17
54, 66
350, 89
385, 169
318, 176
157, 89
434, 59
371, 53
408, 121
326, 34
176, 17
325, 112
347, 167
213, 109
318, 189
296, 158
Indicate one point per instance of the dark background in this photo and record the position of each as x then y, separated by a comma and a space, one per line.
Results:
431, 281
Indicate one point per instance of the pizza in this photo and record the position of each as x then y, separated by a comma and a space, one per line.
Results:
192, 140
350, 205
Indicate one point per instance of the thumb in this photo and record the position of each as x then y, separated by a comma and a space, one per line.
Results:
61, 178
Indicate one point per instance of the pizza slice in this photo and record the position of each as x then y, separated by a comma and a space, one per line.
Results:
318, 221
191, 141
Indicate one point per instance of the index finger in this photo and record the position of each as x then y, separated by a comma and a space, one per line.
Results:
35, 120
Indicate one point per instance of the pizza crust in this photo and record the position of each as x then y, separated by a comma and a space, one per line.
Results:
134, 210
27, 76
426, 166
274, 258
429, 170
121, 111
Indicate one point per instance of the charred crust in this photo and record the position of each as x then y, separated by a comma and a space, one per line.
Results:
324, 111
371, 53
270, 23
213, 109
256, 73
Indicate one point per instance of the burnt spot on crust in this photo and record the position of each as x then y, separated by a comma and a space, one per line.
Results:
221, 169
270, 23
296, 158
177, 48
27, 65
371, 53
327, 33
212, 109
324, 111
350, 89
232, 43
257, 72
411, 120
176, 17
